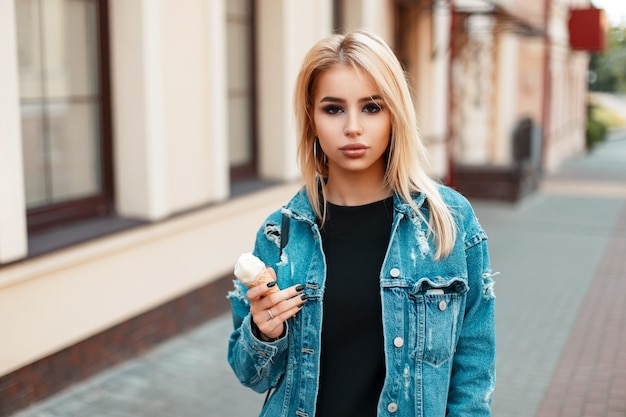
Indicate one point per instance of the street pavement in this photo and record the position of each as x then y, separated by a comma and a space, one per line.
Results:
560, 306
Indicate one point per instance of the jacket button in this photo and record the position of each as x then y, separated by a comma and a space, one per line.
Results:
392, 407
398, 342
442, 305
395, 272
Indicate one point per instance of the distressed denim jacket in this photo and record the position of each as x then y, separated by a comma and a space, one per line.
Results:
438, 317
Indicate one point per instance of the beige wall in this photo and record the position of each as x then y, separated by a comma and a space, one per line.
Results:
12, 203
427, 43
530, 79
170, 137
188, 99
169, 106
565, 136
508, 65
518, 78
53, 301
374, 15
286, 31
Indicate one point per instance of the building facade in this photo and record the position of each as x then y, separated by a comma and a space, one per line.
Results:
143, 143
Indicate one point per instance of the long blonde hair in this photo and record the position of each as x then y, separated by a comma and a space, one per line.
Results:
406, 157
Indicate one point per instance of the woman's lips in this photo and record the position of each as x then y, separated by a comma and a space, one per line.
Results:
354, 150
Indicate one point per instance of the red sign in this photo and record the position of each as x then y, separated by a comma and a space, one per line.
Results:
587, 29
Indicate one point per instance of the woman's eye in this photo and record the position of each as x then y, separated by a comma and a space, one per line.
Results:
372, 108
333, 109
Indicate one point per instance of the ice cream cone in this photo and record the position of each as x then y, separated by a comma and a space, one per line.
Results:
252, 272
263, 279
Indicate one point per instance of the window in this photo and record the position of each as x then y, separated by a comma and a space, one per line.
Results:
241, 88
62, 57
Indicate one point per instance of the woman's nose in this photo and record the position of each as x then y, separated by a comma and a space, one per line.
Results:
353, 126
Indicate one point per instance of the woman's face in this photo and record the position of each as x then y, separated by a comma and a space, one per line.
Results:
351, 121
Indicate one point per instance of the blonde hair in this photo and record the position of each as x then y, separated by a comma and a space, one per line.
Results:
406, 157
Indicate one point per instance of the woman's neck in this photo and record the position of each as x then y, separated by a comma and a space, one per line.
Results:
356, 190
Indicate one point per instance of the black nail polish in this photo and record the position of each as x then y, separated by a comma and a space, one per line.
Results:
304, 297
301, 305
300, 287
271, 284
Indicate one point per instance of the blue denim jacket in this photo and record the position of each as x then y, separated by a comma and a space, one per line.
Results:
438, 317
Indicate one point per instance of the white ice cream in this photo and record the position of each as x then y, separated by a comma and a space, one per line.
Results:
249, 268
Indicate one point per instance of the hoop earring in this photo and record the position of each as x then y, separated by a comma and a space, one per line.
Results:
387, 153
315, 158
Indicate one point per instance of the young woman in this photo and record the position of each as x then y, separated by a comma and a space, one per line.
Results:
386, 305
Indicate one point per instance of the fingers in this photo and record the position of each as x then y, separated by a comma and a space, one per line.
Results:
287, 308
269, 313
264, 289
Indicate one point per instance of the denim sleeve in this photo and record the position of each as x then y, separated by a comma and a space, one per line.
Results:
257, 364
473, 369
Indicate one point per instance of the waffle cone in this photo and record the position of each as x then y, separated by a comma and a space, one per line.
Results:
262, 280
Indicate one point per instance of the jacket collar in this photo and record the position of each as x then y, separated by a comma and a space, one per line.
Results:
299, 207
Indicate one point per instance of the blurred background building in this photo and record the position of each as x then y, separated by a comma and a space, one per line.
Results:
144, 141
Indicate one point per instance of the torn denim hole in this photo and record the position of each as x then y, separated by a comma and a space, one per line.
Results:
488, 284
407, 382
272, 233
238, 294
413, 255
423, 243
422, 238
283, 259
416, 219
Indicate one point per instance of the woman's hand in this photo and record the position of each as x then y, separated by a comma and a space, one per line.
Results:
270, 312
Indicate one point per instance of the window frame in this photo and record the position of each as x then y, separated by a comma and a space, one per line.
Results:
102, 203
239, 173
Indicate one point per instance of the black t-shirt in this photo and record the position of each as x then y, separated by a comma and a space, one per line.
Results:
355, 240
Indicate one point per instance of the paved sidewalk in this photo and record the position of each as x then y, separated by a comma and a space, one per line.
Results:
561, 316
554, 251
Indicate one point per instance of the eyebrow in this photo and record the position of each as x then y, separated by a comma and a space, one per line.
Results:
329, 99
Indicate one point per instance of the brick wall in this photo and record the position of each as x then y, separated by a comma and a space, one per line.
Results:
133, 337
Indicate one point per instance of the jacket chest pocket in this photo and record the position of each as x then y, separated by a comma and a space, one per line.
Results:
437, 317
